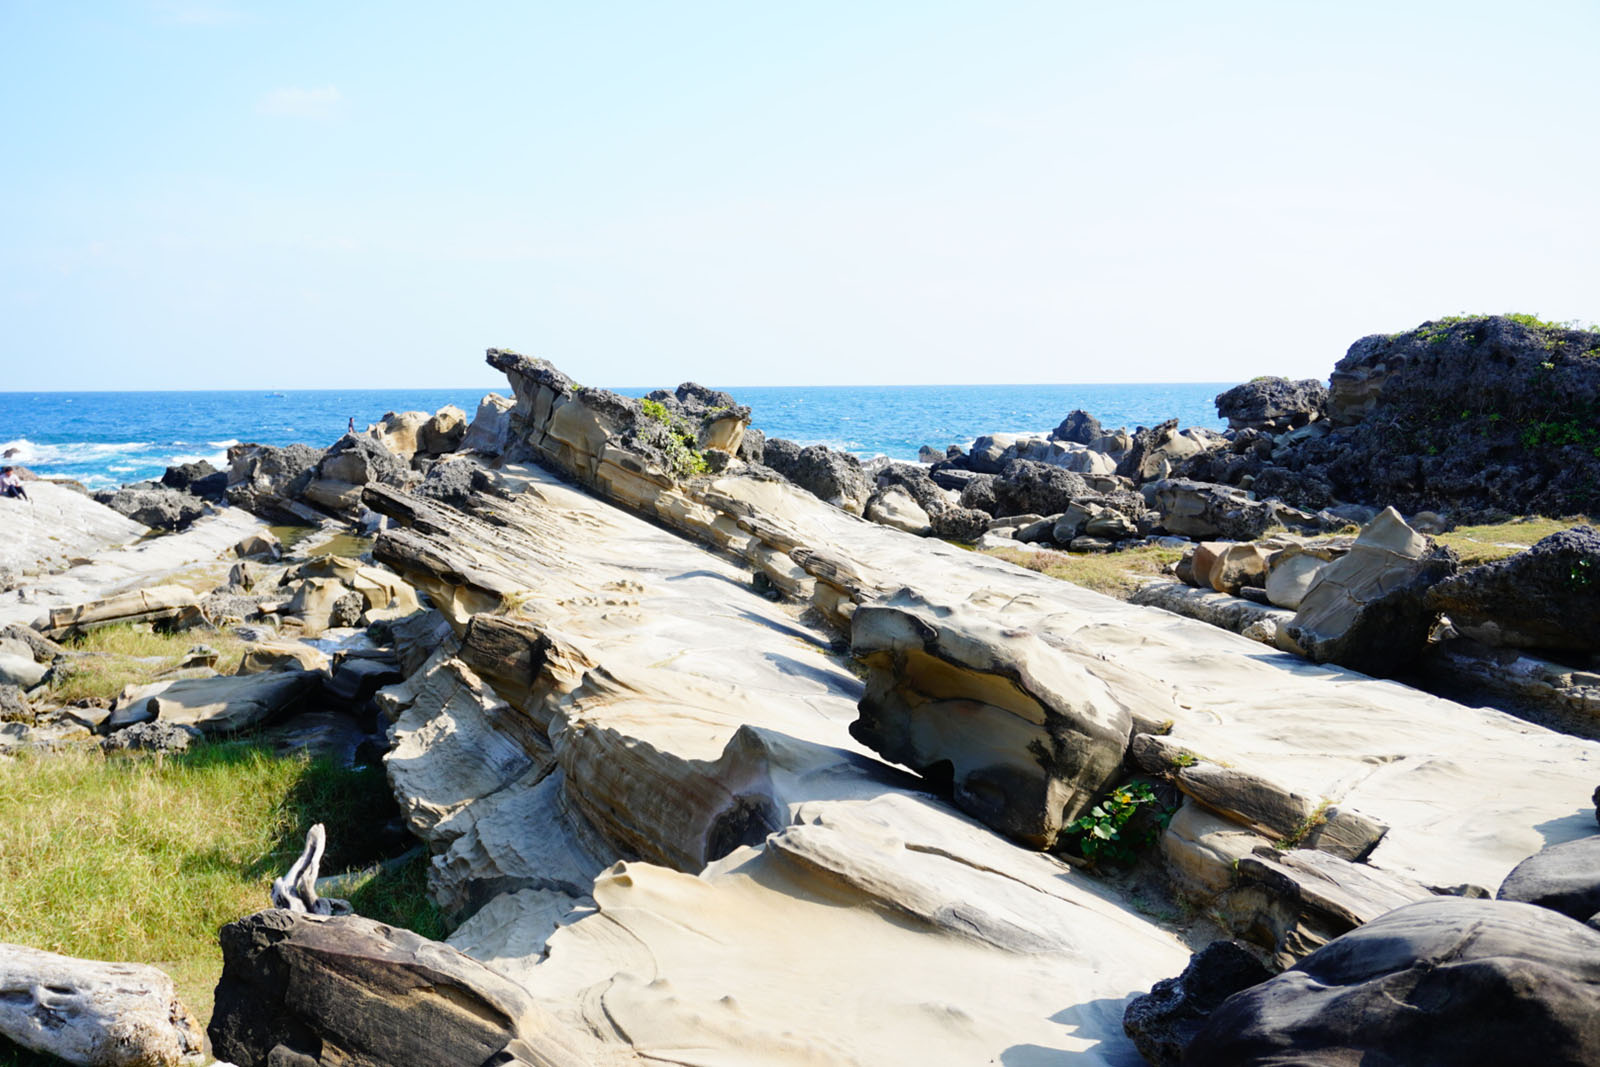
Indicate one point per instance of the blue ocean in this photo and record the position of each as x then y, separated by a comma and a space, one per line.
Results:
109, 439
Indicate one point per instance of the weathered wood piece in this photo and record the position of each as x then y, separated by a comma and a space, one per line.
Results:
95, 1014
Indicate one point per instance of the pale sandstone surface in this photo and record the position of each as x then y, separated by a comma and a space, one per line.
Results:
1466, 792
693, 724
192, 558
56, 525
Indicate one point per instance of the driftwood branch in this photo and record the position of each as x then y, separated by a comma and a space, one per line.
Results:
297, 891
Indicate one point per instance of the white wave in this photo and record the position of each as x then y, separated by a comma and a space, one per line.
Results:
121, 468
229, 443
27, 453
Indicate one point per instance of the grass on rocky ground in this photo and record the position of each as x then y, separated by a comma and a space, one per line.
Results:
119, 656
1485, 544
1116, 574
142, 858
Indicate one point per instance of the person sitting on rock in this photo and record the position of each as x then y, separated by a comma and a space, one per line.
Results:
10, 484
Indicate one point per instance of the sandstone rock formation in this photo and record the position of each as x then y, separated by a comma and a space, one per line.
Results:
1368, 610
308, 989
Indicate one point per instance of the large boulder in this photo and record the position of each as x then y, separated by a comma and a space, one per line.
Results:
263, 479
1542, 598
443, 432
895, 507
1564, 878
1206, 511
1023, 737
1273, 404
836, 477
155, 505
1368, 610
490, 431
199, 478
93, 1013
221, 705
1163, 1021
323, 990
399, 432
357, 460
1079, 427
1026, 487
1445, 982
1154, 453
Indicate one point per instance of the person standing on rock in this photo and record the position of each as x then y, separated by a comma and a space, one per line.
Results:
352, 427
11, 485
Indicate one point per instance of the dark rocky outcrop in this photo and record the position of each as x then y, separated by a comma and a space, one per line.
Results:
833, 476
1026, 487
1564, 878
1542, 598
1273, 404
1163, 1021
308, 990
264, 479
1079, 427
1204, 510
154, 504
1448, 982
199, 478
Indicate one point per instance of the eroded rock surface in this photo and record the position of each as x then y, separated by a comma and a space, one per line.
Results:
1440, 983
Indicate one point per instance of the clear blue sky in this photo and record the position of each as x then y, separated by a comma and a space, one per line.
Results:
217, 194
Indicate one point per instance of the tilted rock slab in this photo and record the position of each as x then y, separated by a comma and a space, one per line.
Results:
1027, 736
697, 734
335, 990
92, 1013
1466, 792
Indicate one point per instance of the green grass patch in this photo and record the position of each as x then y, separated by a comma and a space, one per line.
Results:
119, 656
143, 858
1116, 574
1485, 544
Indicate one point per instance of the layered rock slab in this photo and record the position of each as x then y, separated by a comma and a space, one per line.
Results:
694, 724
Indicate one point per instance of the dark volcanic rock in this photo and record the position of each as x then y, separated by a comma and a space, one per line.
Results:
1476, 414
1079, 427
450, 482
960, 524
1027, 487
183, 476
261, 477
836, 477
155, 505
1163, 1021
302, 989
1542, 598
1564, 878
1448, 982
1273, 404
978, 493
753, 449
358, 460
